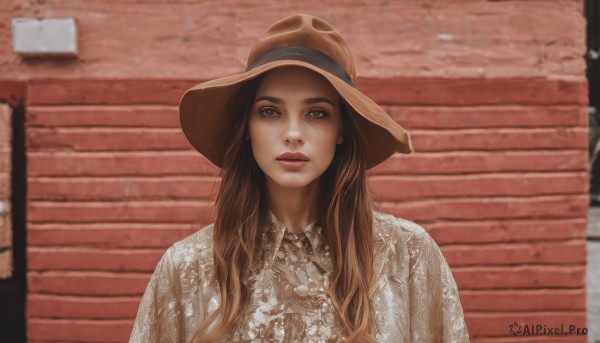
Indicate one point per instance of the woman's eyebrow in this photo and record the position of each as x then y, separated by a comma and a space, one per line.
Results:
317, 100
305, 101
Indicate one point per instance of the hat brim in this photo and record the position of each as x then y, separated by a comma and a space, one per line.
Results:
205, 122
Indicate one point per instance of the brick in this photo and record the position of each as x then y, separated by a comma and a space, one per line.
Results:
153, 235
87, 139
92, 259
468, 278
519, 277
500, 139
6, 233
102, 116
6, 133
192, 163
81, 307
464, 162
12, 92
102, 91
69, 330
388, 91
523, 300
542, 207
456, 91
140, 211
508, 231
120, 189
498, 116
421, 210
409, 117
5, 162
7, 264
383, 188
109, 235
398, 188
551, 253
87, 283
6, 114
119, 164
72, 258
5, 180
568, 206
532, 22
496, 324
159, 139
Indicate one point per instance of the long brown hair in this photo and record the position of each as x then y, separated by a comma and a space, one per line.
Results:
344, 212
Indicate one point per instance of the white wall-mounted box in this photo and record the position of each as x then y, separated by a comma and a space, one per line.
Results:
44, 37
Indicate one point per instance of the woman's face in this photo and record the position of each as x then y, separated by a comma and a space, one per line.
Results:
295, 111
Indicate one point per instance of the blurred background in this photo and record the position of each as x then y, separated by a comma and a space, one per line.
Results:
97, 181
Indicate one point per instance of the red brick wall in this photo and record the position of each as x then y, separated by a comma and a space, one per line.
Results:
493, 93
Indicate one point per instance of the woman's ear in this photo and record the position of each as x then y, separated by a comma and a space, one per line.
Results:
340, 138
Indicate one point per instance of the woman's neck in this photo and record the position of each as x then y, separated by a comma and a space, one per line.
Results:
294, 207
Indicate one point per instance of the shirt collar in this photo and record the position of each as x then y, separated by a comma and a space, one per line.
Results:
312, 231
272, 237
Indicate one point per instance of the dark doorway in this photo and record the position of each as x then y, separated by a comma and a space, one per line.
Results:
592, 58
13, 290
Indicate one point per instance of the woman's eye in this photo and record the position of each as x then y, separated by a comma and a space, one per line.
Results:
268, 111
318, 113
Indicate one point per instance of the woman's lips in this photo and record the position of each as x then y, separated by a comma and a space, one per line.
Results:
293, 156
293, 164
293, 160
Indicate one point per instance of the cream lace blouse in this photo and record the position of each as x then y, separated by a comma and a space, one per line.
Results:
416, 299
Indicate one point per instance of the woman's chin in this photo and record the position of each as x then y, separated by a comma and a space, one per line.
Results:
292, 181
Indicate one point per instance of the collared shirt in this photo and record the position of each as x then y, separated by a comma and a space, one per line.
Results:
416, 298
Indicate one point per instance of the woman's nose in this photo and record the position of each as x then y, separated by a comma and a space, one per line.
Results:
293, 130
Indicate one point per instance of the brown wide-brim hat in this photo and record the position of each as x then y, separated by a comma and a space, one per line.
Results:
299, 40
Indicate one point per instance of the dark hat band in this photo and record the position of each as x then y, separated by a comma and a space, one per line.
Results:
304, 54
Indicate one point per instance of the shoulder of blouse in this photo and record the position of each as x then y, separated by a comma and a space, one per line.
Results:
203, 236
193, 250
405, 235
387, 226
433, 293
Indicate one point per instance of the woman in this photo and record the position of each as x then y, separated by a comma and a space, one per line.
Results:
297, 253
